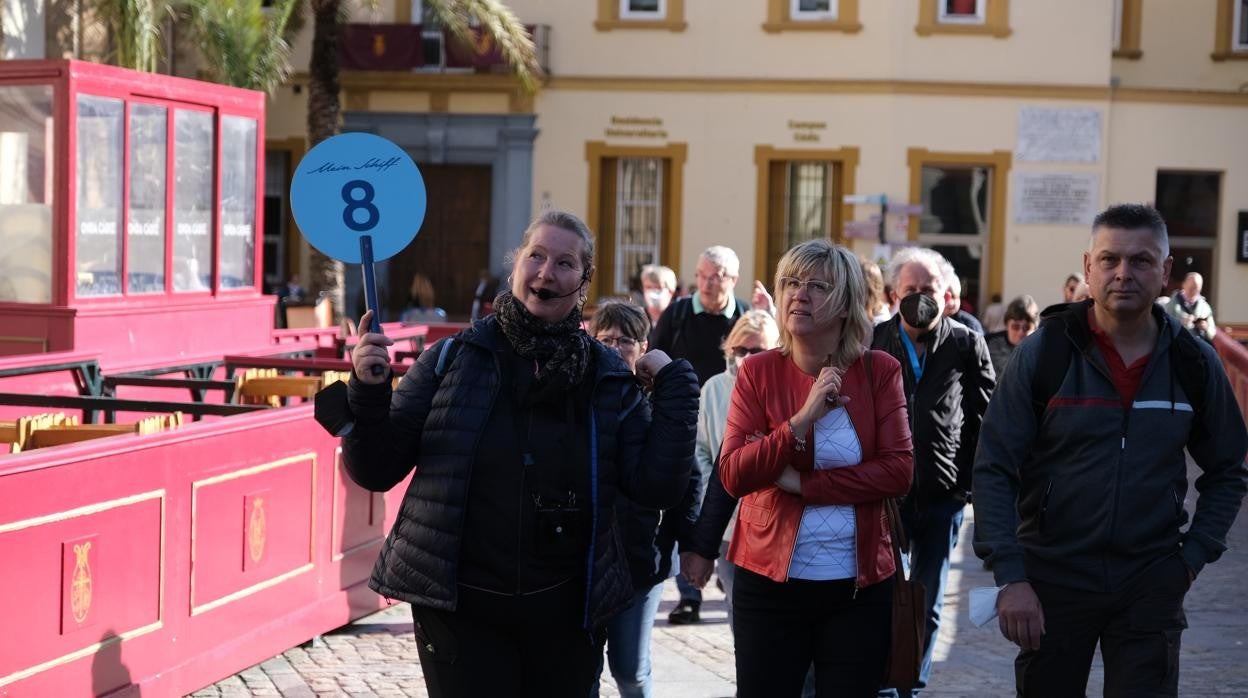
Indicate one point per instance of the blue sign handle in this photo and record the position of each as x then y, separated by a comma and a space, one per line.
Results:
370, 289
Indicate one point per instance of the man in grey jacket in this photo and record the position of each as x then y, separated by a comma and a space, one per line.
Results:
1079, 494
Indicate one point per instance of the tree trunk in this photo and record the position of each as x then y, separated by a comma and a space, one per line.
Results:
325, 275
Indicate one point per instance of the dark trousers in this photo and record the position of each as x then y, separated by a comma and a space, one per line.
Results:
781, 627
508, 645
1139, 628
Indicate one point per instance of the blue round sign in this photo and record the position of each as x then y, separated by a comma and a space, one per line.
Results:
358, 184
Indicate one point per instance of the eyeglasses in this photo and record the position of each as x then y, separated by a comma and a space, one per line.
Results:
814, 287
620, 342
742, 352
717, 277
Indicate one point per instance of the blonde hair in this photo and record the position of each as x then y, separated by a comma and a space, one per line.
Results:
758, 323
839, 267
660, 275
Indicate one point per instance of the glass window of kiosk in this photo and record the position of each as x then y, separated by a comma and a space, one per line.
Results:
99, 185
238, 202
192, 200
145, 214
27, 173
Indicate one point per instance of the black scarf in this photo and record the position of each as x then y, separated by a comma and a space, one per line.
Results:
559, 349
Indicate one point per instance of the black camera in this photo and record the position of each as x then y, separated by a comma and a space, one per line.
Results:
560, 527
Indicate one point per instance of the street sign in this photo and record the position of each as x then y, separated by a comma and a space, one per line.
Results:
907, 209
863, 198
863, 230
357, 185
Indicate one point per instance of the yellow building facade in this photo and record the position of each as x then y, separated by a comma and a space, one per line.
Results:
995, 129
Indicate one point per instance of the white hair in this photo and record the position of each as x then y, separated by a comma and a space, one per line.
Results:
724, 258
916, 255
950, 275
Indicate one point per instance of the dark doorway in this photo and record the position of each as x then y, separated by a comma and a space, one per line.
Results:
454, 241
1190, 202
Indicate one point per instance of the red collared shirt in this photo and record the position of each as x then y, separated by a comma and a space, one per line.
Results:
1126, 378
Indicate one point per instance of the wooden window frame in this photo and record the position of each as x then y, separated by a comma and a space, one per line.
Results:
1224, 48
996, 20
780, 18
999, 161
609, 18
1129, 30
845, 162
601, 183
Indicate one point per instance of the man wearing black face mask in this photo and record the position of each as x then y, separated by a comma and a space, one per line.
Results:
948, 379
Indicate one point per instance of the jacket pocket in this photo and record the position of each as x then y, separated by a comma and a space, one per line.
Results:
755, 515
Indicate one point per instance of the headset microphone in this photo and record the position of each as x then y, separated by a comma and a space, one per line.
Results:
549, 295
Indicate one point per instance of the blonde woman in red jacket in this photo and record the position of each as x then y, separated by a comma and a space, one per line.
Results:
817, 439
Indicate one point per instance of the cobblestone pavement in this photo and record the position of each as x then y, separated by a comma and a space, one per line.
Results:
376, 656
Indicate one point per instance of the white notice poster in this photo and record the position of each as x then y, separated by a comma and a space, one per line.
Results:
1056, 198
1058, 135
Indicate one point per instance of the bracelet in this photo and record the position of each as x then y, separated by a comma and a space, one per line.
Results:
799, 442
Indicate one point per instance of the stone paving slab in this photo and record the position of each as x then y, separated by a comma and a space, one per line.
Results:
376, 655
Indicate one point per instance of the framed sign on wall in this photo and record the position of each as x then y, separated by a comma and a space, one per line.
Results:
1241, 238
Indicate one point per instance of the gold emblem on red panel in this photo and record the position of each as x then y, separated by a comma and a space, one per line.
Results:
80, 589
256, 533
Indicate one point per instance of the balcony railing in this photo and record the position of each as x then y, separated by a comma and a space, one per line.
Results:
413, 47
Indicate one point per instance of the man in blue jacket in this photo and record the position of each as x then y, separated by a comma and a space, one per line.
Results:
1080, 480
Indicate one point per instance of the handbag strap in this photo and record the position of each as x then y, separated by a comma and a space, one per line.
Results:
896, 532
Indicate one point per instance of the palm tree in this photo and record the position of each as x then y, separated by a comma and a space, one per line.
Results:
241, 43
458, 16
134, 31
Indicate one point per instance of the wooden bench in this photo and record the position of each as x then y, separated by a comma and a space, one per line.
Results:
15, 435
60, 434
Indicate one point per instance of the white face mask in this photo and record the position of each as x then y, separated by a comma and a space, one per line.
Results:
654, 297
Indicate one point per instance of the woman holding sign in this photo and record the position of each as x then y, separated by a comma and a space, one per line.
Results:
521, 430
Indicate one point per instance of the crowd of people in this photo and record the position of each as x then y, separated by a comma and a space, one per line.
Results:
565, 469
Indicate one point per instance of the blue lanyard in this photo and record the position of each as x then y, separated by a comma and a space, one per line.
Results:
916, 363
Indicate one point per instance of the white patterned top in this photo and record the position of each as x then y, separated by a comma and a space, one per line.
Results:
826, 537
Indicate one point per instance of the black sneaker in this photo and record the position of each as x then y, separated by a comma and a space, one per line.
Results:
685, 613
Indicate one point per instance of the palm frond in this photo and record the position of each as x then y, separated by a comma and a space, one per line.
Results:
134, 26
501, 24
243, 45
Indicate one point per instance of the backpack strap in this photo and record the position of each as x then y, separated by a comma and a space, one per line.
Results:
445, 357
1055, 355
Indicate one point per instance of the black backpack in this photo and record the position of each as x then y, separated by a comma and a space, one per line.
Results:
1189, 365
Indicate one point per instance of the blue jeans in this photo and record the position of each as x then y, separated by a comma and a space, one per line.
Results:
933, 534
628, 645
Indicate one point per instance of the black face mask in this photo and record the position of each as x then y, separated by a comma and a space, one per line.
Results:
919, 310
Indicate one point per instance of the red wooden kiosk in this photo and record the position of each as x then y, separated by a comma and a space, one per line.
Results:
130, 287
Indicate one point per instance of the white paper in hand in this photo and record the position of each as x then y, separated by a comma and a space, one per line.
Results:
983, 605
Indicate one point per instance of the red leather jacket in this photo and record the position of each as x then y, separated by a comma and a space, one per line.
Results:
771, 389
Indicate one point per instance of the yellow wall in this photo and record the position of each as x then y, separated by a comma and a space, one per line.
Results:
1176, 40
725, 38
721, 178
1145, 138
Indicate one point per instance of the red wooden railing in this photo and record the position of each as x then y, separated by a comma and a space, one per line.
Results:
1235, 359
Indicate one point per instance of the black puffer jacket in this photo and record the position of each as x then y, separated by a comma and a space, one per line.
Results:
946, 407
438, 422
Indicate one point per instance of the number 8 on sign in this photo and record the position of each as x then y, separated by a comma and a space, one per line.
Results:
356, 185
353, 205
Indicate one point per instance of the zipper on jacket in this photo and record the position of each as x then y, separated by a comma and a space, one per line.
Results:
1044, 507
526, 460
1113, 512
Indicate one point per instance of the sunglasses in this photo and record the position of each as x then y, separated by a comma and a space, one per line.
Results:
742, 352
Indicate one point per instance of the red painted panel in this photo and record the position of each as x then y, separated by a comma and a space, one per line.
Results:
117, 558
251, 526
